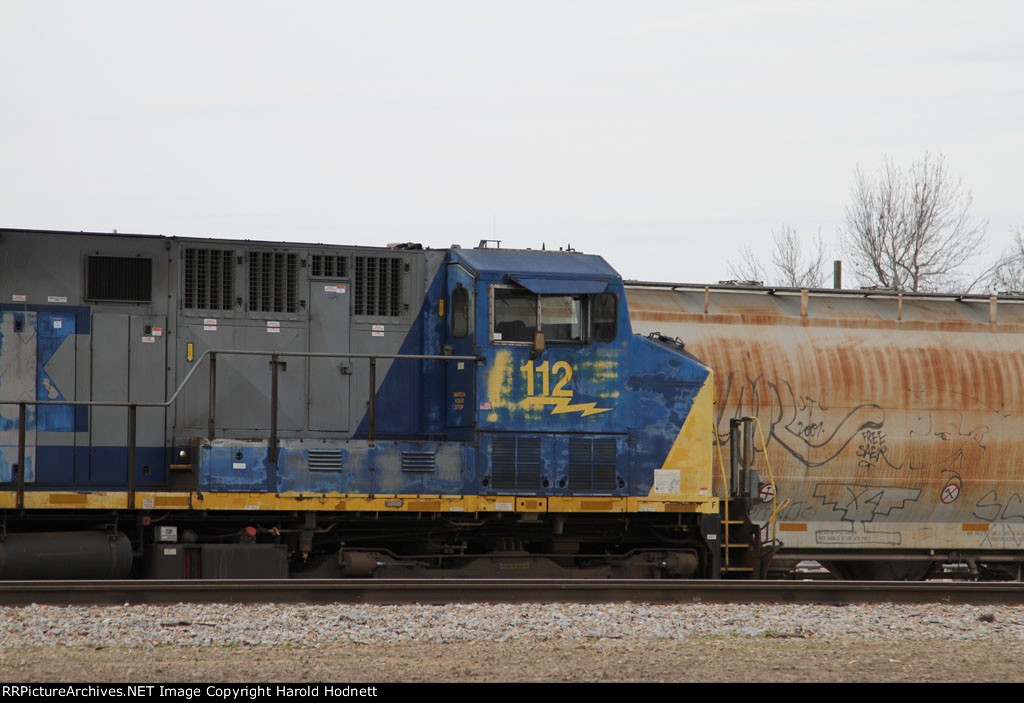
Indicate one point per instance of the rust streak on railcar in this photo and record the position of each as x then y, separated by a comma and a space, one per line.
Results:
885, 433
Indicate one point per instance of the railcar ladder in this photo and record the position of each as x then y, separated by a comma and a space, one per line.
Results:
747, 548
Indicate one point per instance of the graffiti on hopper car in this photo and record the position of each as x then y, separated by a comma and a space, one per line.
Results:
863, 502
815, 434
872, 451
921, 393
859, 505
859, 534
991, 507
799, 423
796, 511
1003, 536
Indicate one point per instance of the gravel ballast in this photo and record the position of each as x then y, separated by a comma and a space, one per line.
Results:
565, 642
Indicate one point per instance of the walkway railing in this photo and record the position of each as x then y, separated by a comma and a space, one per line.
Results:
211, 418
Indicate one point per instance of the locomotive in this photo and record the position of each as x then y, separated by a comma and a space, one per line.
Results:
196, 408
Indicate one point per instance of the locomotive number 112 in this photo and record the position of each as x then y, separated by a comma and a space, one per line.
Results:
560, 391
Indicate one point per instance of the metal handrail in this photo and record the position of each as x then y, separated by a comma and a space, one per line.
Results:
772, 524
725, 484
211, 426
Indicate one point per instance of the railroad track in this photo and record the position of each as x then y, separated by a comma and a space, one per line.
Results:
441, 591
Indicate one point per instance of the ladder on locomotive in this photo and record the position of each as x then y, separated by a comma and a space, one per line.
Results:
747, 547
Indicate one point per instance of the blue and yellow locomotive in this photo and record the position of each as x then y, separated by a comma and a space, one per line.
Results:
197, 408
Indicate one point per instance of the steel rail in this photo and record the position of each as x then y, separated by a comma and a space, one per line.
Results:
444, 591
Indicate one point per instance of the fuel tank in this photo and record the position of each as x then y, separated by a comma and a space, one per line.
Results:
892, 422
65, 555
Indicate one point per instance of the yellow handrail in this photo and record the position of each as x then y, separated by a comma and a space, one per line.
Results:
777, 508
725, 483
773, 520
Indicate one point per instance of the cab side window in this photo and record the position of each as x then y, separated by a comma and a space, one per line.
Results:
515, 315
460, 312
518, 314
604, 311
561, 318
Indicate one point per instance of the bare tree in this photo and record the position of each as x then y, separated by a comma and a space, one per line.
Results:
750, 268
792, 265
911, 228
1007, 275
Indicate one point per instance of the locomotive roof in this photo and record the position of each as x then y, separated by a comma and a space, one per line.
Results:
239, 240
495, 263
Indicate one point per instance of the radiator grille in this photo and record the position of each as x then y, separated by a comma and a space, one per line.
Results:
119, 278
592, 464
208, 279
419, 462
328, 266
273, 281
324, 459
515, 463
377, 286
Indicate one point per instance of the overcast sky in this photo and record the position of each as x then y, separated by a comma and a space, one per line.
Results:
662, 135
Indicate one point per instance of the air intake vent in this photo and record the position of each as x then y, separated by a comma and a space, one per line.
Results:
327, 266
119, 279
378, 286
273, 281
208, 280
515, 463
592, 465
419, 462
324, 459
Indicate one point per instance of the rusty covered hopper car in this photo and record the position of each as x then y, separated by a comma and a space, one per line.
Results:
894, 424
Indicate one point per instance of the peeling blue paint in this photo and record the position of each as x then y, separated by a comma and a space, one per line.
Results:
234, 466
9, 459
52, 331
365, 468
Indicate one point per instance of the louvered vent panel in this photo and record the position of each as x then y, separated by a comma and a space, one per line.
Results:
419, 462
291, 283
119, 278
273, 281
378, 286
604, 464
580, 465
328, 266
209, 282
503, 464
528, 464
515, 463
592, 464
227, 281
324, 459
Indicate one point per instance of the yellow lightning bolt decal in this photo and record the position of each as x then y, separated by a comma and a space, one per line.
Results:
564, 405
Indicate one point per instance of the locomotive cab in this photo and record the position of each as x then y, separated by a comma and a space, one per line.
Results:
563, 394
544, 400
